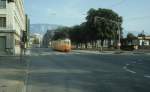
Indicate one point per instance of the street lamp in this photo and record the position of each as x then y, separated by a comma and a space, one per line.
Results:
143, 38
118, 25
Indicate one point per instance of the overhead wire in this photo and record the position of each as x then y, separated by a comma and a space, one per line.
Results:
117, 4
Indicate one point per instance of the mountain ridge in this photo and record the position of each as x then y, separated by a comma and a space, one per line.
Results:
42, 28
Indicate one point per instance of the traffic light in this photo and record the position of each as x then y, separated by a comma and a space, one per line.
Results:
24, 37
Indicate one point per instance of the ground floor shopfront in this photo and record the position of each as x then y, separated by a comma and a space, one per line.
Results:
9, 43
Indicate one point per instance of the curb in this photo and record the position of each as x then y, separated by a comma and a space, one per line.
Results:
9, 55
94, 52
115, 52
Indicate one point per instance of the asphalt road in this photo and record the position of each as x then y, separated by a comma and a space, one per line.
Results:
50, 71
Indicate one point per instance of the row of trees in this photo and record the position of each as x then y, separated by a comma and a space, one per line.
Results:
101, 24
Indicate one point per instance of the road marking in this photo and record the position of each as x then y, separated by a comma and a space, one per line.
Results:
134, 62
28, 52
127, 64
78, 71
147, 76
128, 70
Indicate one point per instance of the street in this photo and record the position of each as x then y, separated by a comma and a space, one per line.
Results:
74, 46
51, 71
45, 70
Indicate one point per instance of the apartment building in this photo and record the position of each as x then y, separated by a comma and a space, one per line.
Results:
35, 40
12, 25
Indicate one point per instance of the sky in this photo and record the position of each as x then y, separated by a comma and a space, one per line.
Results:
135, 13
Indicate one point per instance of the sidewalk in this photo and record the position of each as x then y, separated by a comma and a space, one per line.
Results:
113, 52
27, 53
93, 52
12, 74
11, 86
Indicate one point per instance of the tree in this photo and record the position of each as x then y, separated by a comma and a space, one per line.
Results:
103, 28
61, 33
47, 38
141, 35
75, 34
130, 38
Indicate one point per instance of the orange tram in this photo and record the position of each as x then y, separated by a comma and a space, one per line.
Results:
63, 45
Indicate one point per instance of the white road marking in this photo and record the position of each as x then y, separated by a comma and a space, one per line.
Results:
27, 52
78, 71
147, 76
128, 70
127, 64
134, 62
76, 53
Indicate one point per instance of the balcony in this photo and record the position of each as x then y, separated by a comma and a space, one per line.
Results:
2, 4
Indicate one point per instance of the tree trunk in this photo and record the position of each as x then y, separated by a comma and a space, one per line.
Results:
102, 42
92, 44
86, 45
109, 42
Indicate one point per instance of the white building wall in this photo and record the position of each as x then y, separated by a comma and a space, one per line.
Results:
15, 24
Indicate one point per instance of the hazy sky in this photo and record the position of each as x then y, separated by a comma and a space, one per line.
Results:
135, 13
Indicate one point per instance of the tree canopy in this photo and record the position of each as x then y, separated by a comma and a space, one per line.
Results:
61, 33
131, 36
104, 23
101, 24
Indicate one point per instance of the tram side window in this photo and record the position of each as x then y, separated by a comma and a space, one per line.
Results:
66, 42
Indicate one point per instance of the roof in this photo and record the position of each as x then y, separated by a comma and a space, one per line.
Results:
146, 38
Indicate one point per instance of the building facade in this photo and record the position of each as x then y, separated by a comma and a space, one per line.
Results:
35, 40
12, 25
144, 41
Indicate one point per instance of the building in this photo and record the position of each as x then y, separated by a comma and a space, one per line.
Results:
35, 40
12, 25
144, 41
47, 38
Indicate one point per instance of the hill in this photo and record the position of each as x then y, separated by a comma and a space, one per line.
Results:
42, 28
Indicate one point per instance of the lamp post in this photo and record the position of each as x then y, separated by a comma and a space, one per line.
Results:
118, 25
143, 38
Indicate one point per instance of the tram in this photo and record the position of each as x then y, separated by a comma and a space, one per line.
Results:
63, 45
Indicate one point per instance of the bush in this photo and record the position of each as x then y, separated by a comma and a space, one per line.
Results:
128, 48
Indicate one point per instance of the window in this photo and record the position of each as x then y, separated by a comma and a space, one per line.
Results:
2, 4
2, 21
10, 1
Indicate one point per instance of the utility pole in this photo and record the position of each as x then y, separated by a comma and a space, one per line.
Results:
119, 36
143, 38
118, 25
